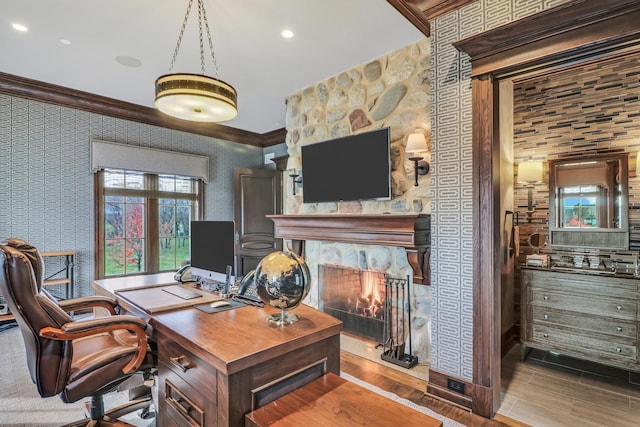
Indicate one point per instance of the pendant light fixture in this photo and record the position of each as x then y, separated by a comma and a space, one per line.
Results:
196, 97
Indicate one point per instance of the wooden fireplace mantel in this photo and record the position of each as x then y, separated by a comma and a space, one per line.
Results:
409, 231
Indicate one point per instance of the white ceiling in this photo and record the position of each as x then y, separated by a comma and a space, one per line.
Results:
331, 36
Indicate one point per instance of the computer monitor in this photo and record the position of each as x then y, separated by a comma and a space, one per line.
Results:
212, 250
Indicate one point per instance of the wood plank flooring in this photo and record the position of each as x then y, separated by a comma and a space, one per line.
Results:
413, 389
544, 391
555, 391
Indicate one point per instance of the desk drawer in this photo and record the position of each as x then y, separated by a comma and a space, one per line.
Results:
188, 388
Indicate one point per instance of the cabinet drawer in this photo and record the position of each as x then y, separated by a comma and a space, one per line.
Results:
188, 388
607, 307
188, 366
609, 326
584, 345
183, 404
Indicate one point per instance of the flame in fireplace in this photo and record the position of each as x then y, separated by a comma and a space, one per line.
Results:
370, 302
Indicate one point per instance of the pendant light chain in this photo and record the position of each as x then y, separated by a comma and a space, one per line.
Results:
202, 16
206, 25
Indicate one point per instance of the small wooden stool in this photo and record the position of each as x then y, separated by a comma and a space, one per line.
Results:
333, 401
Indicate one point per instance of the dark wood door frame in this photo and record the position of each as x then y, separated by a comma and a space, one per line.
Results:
561, 36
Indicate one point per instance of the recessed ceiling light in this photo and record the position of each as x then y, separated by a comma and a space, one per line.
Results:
128, 61
19, 27
65, 42
287, 34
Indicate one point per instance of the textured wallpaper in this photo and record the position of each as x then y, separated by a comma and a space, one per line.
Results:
46, 184
451, 186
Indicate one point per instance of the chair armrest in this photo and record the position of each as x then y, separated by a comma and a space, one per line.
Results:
89, 302
85, 328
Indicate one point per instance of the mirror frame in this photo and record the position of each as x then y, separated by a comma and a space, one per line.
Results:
599, 238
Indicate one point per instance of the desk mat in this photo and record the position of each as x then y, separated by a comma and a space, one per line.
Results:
208, 309
154, 299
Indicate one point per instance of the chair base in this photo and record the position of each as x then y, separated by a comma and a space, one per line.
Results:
111, 417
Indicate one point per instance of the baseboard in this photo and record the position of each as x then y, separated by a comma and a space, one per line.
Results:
437, 386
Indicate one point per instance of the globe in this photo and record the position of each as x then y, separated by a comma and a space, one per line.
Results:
282, 281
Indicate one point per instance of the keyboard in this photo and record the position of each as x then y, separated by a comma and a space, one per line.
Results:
182, 292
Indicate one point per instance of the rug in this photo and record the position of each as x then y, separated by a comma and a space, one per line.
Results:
22, 406
447, 422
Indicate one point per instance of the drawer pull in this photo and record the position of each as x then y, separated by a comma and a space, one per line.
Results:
546, 316
545, 297
182, 405
618, 349
181, 362
619, 307
619, 329
545, 335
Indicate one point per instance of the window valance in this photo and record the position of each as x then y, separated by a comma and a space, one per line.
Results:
130, 157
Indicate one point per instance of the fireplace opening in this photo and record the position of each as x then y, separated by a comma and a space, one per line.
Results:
356, 297
370, 305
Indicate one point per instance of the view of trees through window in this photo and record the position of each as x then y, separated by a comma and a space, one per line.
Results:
579, 206
146, 221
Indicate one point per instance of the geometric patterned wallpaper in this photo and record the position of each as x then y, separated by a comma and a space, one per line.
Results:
46, 183
451, 186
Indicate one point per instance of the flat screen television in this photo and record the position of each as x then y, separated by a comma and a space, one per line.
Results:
355, 167
212, 250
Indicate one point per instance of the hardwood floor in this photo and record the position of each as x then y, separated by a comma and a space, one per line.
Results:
413, 389
544, 391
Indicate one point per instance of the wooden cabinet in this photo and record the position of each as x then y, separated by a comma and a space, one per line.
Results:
586, 316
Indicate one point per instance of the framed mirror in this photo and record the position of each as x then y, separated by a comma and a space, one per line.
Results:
588, 202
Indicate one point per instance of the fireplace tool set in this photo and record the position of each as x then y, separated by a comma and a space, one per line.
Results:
395, 335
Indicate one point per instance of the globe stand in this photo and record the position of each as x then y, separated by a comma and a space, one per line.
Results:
282, 318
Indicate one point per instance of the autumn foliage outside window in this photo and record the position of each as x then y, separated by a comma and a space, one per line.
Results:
145, 220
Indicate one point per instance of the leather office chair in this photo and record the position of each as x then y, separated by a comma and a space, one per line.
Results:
73, 359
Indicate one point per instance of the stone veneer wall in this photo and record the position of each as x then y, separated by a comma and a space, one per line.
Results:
392, 91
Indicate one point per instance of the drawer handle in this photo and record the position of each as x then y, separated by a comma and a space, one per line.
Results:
545, 297
545, 335
618, 349
619, 307
546, 316
619, 329
182, 405
181, 362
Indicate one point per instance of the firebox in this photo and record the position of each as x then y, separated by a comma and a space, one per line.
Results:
356, 297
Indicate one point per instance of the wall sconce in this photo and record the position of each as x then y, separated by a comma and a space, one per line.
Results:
293, 164
529, 173
416, 145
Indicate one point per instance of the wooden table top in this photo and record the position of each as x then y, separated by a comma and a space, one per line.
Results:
333, 401
230, 340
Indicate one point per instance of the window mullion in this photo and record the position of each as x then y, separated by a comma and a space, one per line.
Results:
152, 232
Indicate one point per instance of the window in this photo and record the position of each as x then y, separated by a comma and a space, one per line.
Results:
580, 207
143, 221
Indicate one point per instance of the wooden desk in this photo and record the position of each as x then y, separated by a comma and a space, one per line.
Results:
215, 368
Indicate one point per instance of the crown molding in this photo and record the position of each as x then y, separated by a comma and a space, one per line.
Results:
58, 95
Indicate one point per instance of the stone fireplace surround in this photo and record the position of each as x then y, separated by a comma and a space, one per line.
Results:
390, 243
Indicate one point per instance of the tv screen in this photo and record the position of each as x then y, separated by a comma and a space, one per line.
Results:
355, 167
212, 250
